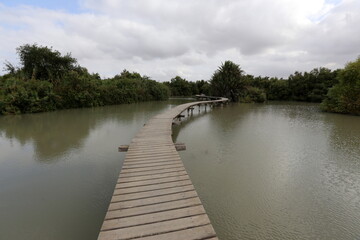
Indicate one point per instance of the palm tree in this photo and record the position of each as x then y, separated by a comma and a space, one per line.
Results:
227, 81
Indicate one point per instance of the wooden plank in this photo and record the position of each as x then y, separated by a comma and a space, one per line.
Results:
160, 207
153, 172
161, 154
119, 191
155, 228
152, 200
203, 232
163, 151
154, 193
152, 181
152, 176
131, 163
147, 169
152, 217
145, 159
151, 164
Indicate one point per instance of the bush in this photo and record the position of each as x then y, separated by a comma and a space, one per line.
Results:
19, 96
252, 94
344, 97
48, 81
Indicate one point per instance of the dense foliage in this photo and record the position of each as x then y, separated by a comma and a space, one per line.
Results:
47, 81
227, 81
230, 81
344, 97
181, 87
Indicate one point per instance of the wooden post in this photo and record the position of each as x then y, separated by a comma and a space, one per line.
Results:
123, 148
180, 146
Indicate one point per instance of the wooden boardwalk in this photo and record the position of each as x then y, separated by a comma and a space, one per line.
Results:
154, 198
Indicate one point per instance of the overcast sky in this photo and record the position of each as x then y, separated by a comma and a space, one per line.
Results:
189, 38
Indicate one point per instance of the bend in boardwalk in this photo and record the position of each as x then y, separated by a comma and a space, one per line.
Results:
154, 198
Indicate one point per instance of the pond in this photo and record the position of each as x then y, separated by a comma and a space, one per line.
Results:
276, 170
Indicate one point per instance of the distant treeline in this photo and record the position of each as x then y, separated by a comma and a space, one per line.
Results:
338, 90
48, 81
308, 86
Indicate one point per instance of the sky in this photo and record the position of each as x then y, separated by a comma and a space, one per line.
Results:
165, 38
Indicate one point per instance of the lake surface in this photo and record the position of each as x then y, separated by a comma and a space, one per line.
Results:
277, 170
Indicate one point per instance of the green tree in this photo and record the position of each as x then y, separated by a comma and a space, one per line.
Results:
44, 63
344, 97
180, 87
227, 81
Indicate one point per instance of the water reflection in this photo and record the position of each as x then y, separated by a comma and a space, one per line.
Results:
74, 187
54, 133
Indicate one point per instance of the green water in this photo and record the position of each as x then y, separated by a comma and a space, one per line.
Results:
263, 171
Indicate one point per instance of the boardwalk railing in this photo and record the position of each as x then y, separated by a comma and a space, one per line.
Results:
154, 198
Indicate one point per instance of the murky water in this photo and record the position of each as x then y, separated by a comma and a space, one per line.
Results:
58, 169
276, 171
263, 171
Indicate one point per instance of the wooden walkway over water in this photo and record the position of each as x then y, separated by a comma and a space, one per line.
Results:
154, 198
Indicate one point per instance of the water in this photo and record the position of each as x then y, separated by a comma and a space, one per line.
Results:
276, 171
263, 171
58, 169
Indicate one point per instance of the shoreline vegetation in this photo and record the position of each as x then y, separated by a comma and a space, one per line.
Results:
47, 80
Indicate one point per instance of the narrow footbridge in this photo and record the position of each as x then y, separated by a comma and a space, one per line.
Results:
154, 198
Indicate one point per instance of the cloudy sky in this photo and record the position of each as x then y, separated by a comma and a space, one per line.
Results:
190, 38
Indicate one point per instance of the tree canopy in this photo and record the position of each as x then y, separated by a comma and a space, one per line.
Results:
48, 81
344, 97
43, 63
227, 81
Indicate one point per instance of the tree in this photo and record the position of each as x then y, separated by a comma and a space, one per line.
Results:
344, 97
44, 63
180, 87
227, 81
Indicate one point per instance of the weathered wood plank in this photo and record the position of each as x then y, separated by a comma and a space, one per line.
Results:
159, 207
155, 228
179, 183
203, 232
152, 182
154, 193
152, 217
152, 176
132, 163
147, 169
152, 200
151, 164
152, 172
146, 159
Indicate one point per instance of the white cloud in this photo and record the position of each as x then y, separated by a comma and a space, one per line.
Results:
164, 38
